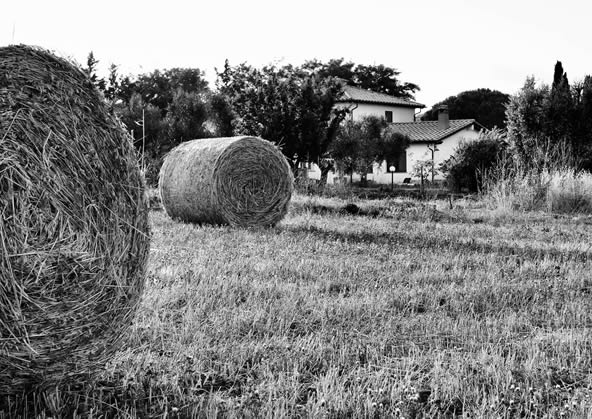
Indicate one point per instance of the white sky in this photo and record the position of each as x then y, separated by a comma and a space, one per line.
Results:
445, 46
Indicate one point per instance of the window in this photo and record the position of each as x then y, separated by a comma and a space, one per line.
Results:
388, 115
399, 161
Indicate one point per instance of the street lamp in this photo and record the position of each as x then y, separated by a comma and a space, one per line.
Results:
392, 170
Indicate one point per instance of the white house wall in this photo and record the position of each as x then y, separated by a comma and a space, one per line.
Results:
400, 113
415, 152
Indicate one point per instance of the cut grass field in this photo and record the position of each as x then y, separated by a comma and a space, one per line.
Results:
403, 309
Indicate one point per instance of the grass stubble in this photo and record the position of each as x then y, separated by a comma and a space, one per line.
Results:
407, 310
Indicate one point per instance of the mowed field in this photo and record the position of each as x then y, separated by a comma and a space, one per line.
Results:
409, 310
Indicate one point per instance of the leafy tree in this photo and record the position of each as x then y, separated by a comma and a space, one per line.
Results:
318, 120
422, 169
283, 105
369, 149
91, 70
345, 148
113, 84
525, 118
161, 109
486, 106
335, 67
392, 144
583, 123
149, 131
264, 102
383, 79
378, 78
470, 161
124, 88
154, 134
180, 96
221, 115
145, 123
158, 88
185, 117
360, 144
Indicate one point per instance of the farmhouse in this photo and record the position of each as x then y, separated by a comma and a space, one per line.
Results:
430, 140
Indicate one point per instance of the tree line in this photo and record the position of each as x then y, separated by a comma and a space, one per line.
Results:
293, 106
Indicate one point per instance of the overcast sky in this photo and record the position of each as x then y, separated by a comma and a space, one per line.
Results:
445, 46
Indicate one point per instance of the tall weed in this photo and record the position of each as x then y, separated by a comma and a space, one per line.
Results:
546, 182
570, 191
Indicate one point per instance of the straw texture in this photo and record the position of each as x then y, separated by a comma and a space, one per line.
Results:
241, 181
73, 223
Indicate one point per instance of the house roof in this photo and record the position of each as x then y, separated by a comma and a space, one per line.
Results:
356, 94
429, 131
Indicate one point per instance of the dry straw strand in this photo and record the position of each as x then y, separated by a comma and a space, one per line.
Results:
241, 181
73, 223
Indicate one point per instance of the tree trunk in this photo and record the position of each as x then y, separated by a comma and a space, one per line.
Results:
295, 165
326, 166
323, 178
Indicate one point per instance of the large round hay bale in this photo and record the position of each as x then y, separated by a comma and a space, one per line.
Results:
73, 223
241, 181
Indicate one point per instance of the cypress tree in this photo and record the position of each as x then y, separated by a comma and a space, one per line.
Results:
557, 75
559, 108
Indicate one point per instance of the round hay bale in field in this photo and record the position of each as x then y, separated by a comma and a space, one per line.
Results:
73, 223
241, 181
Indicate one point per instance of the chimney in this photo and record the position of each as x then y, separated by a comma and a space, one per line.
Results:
443, 120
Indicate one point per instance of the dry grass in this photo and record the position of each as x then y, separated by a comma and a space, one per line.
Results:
240, 181
570, 192
559, 191
73, 224
548, 182
341, 315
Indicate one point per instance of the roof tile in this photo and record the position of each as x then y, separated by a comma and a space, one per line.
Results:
428, 131
356, 94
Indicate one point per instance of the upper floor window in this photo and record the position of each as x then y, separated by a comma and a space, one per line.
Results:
388, 115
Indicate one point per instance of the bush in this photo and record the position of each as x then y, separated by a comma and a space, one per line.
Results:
423, 170
471, 160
